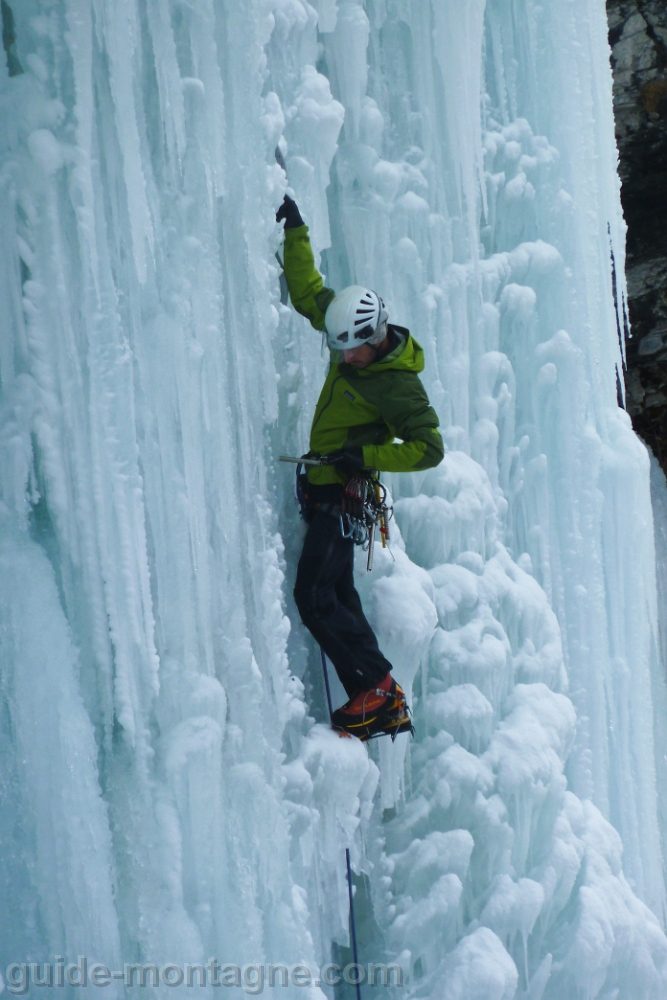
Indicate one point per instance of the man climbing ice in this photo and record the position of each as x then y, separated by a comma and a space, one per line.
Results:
372, 396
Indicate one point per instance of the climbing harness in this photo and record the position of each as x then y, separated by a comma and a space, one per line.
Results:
362, 512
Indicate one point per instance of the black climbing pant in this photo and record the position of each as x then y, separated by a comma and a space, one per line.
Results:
330, 606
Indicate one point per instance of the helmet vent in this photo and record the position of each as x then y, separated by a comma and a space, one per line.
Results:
355, 317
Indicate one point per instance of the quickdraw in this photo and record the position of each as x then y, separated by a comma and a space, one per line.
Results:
364, 511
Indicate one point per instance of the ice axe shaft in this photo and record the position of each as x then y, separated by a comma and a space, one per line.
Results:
302, 461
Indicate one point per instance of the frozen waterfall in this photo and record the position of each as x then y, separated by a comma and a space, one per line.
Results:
169, 788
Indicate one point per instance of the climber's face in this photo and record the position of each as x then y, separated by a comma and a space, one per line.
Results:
361, 357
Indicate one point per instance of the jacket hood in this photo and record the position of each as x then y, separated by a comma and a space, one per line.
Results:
408, 355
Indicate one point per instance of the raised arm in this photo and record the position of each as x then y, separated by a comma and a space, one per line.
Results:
307, 292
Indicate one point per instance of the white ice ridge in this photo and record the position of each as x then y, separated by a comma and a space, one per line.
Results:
170, 789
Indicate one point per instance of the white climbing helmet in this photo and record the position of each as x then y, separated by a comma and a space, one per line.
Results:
355, 317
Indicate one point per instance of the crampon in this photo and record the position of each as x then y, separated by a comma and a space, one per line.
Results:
377, 712
378, 726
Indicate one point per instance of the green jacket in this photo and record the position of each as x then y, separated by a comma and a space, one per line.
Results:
372, 406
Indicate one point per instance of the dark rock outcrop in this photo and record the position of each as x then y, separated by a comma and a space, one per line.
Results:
638, 38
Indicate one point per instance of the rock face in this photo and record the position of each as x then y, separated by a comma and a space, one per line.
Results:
638, 38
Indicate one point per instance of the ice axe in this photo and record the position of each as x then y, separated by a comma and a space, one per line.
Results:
302, 461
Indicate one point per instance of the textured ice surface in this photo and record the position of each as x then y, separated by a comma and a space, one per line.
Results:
170, 789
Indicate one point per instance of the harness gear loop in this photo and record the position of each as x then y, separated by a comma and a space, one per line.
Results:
364, 508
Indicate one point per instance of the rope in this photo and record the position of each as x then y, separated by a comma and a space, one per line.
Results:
353, 929
326, 683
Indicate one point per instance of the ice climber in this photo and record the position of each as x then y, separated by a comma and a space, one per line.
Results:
371, 397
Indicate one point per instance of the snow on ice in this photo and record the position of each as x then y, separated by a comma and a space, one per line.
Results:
170, 788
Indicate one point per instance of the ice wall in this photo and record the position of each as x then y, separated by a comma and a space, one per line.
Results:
168, 796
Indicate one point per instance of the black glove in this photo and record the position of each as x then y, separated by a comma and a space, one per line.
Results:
348, 460
289, 211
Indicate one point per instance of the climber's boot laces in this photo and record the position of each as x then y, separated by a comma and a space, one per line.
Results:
376, 712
